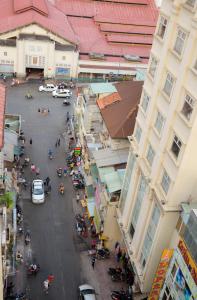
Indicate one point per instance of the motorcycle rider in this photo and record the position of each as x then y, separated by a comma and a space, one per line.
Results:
50, 153
59, 171
61, 188
33, 268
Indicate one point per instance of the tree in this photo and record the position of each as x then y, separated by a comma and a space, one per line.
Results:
7, 199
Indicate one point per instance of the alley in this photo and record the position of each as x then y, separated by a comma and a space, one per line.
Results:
51, 224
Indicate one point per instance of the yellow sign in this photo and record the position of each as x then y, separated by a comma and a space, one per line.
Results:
160, 274
188, 260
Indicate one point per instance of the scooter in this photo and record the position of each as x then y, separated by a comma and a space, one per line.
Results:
113, 271
28, 96
103, 253
118, 277
33, 269
59, 172
121, 295
61, 190
66, 102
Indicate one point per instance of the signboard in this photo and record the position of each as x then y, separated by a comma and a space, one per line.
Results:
77, 151
160, 274
188, 260
62, 71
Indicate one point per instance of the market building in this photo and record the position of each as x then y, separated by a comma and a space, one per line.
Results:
161, 172
66, 39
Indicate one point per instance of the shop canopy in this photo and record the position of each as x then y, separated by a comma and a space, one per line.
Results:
108, 157
114, 180
91, 206
90, 191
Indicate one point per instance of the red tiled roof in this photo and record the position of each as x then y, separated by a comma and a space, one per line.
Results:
38, 5
56, 21
2, 113
130, 39
111, 59
107, 100
131, 29
129, 1
122, 125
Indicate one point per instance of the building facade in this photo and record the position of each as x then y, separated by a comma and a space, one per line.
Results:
161, 172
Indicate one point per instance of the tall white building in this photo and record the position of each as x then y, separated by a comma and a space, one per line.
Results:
162, 165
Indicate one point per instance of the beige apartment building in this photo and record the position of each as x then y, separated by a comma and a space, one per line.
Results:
161, 171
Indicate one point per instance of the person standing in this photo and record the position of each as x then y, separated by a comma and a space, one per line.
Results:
30, 141
93, 262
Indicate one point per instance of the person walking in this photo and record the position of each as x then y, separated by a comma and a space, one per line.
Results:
58, 141
30, 141
47, 181
93, 262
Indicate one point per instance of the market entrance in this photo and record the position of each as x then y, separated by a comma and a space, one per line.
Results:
34, 73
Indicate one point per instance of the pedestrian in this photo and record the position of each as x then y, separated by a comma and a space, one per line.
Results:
39, 110
37, 171
30, 141
93, 261
58, 141
33, 168
47, 181
46, 286
50, 278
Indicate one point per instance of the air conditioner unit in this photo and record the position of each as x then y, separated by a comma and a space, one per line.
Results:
132, 57
94, 55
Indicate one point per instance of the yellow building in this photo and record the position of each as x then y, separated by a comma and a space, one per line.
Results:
161, 171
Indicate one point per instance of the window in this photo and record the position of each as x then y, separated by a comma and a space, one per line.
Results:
179, 43
138, 203
159, 122
168, 84
145, 101
150, 234
188, 107
5, 53
176, 146
162, 27
150, 155
165, 182
63, 57
153, 66
191, 3
138, 133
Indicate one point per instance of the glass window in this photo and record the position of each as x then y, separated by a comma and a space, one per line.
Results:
162, 27
5, 53
145, 101
159, 122
188, 107
150, 155
150, 234
176, 146
138, 203
153, 66
168, 84
165, 182
138, 133
63, 57
180, 39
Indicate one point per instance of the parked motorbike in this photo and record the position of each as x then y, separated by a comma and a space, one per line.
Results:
113, 271
26, 162
66, 102
27, 238
17, 296
118, 277
61, 189
59, 172
121, 295
78, 185
33, 269
28, 96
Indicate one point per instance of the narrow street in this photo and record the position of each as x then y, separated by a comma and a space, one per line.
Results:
53, 239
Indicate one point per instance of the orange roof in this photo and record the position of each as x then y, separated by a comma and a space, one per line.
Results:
2, 113
107, 100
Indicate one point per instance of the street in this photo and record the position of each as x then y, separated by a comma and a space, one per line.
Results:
53, 241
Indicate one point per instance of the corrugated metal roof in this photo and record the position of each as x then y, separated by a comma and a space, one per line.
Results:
114, 181
108, 157
128, 38
101, 88
123, 28
103, 102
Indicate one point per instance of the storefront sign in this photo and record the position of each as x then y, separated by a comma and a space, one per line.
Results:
160, 274
188, 260
77, 150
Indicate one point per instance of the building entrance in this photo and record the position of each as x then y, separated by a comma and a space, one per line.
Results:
34, 73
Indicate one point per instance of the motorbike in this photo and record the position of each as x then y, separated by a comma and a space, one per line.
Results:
27, 238
28, 96
20, 231
118, 277
33, 269
61, 190
26, 162
59, 172
113, 271
17, 296
50, 155
121, 295
66, 102
103, 253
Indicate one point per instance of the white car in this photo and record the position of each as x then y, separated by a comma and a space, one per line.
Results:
38, 191
49, 87
62, 94
86, 292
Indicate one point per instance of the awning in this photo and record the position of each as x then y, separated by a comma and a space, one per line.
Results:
114, 181
104, 171
90, 206
94, 172
90, 191
108, 157
97, 220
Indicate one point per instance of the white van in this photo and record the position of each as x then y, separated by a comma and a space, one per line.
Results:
38, 191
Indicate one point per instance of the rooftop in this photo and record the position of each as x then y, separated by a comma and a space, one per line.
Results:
122, 125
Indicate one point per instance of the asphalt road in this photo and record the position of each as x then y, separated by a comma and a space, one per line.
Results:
53, 241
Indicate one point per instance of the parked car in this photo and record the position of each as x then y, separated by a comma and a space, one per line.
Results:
86, 292
38, 191
62, 94
49, 87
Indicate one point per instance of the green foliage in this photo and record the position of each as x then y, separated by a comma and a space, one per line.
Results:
7, 199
